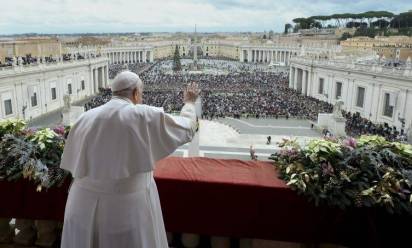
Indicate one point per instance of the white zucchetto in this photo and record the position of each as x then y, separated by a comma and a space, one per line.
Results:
125, 80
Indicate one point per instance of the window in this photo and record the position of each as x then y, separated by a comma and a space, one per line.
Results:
33, 99
387, 108
338, 90
8, 107
321, 82
83, 86
53, 94
360, 97
69, 89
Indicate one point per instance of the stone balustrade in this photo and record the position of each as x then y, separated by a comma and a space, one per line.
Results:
45, 233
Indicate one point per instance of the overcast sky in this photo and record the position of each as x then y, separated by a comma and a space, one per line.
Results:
77, 16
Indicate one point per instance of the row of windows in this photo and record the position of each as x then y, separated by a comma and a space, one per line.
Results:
388, 107
8, 106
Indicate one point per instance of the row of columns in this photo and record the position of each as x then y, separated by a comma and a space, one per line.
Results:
130, 57
265, 56
299, 80
99, 78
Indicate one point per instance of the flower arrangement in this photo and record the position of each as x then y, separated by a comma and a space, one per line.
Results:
31, 154
367, 172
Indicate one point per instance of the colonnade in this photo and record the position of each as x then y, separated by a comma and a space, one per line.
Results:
266, 56
125, 57
299, 80
99, 78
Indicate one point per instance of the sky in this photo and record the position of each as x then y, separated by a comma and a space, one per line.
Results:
101, 16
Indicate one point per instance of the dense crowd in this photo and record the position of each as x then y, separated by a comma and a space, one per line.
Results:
104, 96
29, 59
243, 91
115, 69
356, 126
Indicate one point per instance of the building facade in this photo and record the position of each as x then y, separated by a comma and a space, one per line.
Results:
35, 47
30, 91
380, 94
392, 47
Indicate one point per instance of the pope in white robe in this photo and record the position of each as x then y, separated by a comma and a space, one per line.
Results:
111, 152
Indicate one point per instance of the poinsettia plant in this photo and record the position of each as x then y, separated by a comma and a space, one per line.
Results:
31, 154
367, 172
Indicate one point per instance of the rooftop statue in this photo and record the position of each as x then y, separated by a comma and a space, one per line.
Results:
67, 103
337, 108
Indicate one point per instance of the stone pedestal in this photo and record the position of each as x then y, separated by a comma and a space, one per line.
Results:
336, 125
70, 116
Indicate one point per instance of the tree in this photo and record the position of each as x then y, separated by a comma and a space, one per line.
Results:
345, 36
177, 66
265, 37
271, 33
380, 23
287, 27
403, 20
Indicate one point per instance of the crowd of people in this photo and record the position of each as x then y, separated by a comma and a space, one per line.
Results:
137, 68
28, 59
356, 125
240, 92
104, 96
244, 90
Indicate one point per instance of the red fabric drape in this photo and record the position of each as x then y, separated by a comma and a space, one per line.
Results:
227, 198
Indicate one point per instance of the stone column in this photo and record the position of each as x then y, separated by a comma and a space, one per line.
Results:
95, 81
286, 57
304, 82
291, 77
295, 79
105, 83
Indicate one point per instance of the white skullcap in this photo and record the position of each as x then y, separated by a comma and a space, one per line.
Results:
125, 80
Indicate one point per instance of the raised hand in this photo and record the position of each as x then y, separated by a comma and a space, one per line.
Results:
191, 93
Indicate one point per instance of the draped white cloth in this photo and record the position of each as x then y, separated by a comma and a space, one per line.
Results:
111, 152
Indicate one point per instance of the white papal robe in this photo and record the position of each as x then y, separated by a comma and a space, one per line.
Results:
111, 152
